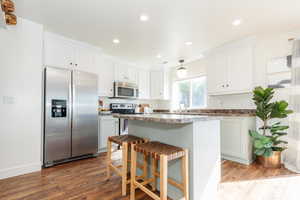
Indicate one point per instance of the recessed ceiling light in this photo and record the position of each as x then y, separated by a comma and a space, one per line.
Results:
144, 18
236, 22
116, 41
158, 56
188, 43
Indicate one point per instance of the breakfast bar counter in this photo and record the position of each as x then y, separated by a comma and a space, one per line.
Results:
199, 134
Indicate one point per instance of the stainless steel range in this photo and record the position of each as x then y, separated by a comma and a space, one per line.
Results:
123, 108
71, 116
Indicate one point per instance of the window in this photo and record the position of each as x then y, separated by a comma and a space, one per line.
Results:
190, 93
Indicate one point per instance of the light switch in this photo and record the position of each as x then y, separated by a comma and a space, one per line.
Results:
8, 100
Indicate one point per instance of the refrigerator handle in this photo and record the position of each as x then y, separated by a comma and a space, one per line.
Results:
70, 117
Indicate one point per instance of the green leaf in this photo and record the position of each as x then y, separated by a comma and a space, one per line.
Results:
280, 110
255, 135
280, 142
279, 133
278, 128
268, 152
258, 144
259, 152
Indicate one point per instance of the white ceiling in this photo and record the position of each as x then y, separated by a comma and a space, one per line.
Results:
206, 23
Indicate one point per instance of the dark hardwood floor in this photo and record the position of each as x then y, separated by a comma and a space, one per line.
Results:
85, 180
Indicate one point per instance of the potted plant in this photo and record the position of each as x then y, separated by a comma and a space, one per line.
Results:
267, 141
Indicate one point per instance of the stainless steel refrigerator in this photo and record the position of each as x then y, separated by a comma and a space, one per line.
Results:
70, 115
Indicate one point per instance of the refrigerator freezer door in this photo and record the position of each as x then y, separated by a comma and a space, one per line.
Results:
57, 135
85, 114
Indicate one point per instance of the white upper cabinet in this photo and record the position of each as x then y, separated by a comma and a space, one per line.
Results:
67, 53
106, 74
240, 72
133, 75
58, 52
125, 73
217, 73
85, 58
159, 85
144, 84
231, 69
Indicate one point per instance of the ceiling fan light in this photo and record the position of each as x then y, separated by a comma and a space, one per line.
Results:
181, 72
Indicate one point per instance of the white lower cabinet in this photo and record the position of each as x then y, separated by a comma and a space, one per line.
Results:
236, 144
108, 126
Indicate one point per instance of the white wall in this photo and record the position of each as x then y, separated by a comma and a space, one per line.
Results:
268, 46
20, 98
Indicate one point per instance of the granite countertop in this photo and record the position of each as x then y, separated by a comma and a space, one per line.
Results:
213, 112
166, 118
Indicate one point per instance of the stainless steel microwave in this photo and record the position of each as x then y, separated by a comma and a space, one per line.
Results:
126, 90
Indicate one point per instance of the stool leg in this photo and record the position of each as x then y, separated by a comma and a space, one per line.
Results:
185, 174
154, 171
145, 169
108, 159
163, 177
124, 167
133, 173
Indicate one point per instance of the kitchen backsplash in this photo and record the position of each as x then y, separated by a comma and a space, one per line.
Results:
233, 101
155, 104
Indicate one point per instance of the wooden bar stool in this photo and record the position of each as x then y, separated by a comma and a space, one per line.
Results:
163, 153
125, 141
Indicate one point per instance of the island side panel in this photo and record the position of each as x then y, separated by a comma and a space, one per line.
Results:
184, 135
206, 159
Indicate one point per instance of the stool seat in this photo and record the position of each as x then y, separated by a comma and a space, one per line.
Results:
130, 139
156, 149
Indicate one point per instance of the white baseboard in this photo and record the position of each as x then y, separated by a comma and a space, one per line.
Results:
238, 160
19, 170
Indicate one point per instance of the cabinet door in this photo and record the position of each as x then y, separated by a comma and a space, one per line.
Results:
231, 137
240, 64
121, 73
106, 75
157, 84
58, 52
108, 127
217, 73
84, 59
132, 75
144, 84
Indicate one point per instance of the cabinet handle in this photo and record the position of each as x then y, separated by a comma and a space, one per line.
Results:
227, 85
76, 65
71, 63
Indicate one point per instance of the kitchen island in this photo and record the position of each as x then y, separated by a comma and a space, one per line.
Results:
199, 134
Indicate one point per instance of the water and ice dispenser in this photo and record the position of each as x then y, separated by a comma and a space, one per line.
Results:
59, 108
